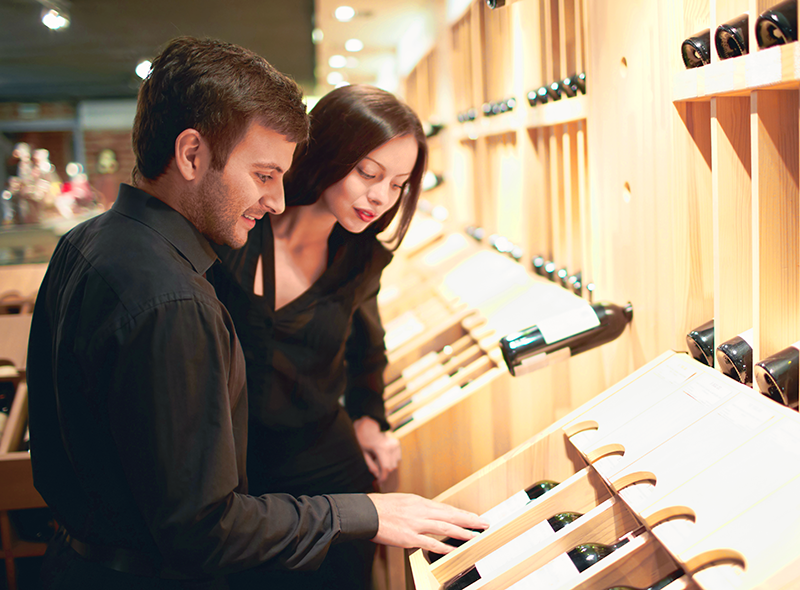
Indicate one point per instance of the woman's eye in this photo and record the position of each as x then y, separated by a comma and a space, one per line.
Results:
365, 175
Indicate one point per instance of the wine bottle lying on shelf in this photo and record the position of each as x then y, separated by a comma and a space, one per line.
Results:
662, 583
432, 129
563, 336
550, 270
7, 391
735, 357
567, 565
732, 38
777, 376
574, 283
508, 506
778, 25
502, 558
696, 50
700, 342
538, 265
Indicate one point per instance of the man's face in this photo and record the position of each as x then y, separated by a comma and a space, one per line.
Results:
227, 203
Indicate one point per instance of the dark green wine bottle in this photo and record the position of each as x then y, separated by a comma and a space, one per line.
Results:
586, 555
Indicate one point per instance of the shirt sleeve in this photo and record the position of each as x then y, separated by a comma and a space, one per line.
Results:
366, 361
172, 422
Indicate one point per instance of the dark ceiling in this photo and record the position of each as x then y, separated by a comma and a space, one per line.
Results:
95, 57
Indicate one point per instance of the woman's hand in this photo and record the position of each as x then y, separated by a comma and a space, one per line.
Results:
381, 449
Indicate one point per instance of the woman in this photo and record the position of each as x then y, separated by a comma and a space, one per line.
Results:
302, 294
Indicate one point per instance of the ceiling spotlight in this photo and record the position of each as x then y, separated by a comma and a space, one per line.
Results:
335, 78
55, 18
317, 36
143, 68
344, 13
353, 45
337, 61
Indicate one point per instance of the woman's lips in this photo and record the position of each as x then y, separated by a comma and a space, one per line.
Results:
365, 215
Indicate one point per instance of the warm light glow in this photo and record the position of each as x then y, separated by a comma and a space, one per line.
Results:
344, 13
317, 36
341, 84
54, 20
337, 61
143, 69
335, 78
353, 45
352, 62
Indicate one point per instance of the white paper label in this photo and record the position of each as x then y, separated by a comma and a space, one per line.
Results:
708, 390
437, 404
637, 495
551, 575
501, 559
676, 533
568, 324
584, 440
420, 365
402, 329
506, 507
431, 388
786, 436
674, 371
541, 360
388, 294
608, 465
745, 412
453, 244
747, 336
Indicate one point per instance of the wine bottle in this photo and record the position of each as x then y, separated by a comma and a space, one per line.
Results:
574, 282
500, 243
432, 129
569, 86
475, 232
700, 342
550, 270
696, 51
495, 3
487, 109
777, 376
565, 335
563, 275
533, 98
554, 91
735, 357
543, 95
431, 180
778, 25
538, 265
581, 557
7, 390
662, 583
505, 508
580, 82
498, 560
731, 38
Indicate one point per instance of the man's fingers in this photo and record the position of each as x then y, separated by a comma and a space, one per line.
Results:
374, 469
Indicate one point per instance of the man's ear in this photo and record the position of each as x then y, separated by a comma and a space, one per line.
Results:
192, 156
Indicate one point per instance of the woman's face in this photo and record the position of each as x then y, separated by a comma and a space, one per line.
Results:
373, 186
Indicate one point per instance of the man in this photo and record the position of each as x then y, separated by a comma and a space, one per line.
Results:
137, 381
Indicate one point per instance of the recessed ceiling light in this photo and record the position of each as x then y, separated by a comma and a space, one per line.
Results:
337, 61
344, 13
317, 36
143, 68
335, 78
55, 19
353, 45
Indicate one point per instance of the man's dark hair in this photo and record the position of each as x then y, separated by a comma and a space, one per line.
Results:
217, 89
346, 125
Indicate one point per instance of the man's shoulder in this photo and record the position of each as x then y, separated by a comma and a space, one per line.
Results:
134, 264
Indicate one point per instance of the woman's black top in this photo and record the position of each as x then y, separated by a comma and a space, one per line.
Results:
324, 346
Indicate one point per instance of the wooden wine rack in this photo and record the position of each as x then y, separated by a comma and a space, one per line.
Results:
699, 438
16, 490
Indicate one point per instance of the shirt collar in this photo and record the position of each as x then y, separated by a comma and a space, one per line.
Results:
174, 227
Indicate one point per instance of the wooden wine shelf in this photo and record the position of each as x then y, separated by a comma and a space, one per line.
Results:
524, 116
693, 436
776, 67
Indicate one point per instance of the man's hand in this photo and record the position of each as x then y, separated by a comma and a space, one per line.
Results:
405, 520
381, 449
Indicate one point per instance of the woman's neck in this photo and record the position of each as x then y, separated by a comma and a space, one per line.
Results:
303, 225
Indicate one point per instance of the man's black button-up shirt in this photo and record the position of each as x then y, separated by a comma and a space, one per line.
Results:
138, 408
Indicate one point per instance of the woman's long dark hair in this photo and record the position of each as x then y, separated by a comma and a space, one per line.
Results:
346, 125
